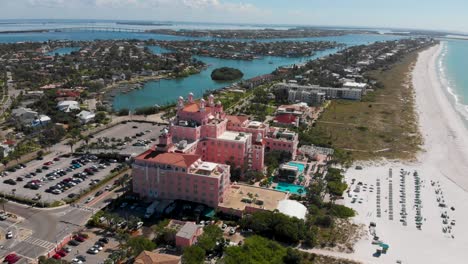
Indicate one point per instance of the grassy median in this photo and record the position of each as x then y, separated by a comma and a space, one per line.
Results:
383, 125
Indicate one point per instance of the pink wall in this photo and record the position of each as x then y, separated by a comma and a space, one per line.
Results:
152, 182
187, 242
221, 151
282, 145
181, 132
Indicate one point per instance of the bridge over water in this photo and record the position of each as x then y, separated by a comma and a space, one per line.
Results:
97, 29
79, 29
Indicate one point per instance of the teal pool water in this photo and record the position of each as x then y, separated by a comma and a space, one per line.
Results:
299, 166
292, 188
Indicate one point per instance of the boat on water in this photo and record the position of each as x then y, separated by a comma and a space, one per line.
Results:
270, 62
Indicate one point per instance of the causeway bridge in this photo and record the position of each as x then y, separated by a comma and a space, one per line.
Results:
97, 29
79, 29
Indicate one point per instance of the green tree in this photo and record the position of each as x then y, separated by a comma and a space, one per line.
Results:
257, 250
138, 244
211, 234
71, 143
293, 256
193, 255
3, 202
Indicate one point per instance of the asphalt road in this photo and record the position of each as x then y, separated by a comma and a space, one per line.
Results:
38, 231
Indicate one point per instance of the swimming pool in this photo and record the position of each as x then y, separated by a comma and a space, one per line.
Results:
299, 166
292, 188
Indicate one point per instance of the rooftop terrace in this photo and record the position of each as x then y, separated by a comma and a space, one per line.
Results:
240, 196
234, 136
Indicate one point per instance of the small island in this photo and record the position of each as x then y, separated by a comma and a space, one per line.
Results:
226, 74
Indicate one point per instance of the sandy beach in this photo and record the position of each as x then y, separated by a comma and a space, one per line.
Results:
407, 207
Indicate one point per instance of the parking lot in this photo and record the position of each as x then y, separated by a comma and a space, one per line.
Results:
130, 138
103, 246
56, 177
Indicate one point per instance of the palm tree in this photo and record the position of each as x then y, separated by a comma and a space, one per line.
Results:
122, 237
3, 202
71, 143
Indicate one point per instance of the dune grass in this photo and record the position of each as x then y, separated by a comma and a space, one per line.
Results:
383, 124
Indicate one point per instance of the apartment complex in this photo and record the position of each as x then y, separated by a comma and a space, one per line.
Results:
315, 95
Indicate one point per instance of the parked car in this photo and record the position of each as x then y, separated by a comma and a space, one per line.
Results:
62, 253
67, 249
104, 240
10, 181
9, 235
79, 259
11, 258
79, 238
73, 243
92, 251
3, 216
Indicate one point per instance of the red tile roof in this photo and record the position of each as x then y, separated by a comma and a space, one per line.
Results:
9, 142
237, 119
286, 118
195, 107
175, 159
148, 257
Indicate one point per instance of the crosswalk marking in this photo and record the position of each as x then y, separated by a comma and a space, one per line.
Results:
39, 242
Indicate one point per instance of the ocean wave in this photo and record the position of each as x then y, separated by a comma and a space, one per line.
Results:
449, 84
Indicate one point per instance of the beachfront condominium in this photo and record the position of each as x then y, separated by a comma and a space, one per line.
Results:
315, 95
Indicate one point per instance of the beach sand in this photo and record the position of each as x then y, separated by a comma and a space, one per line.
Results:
444, 161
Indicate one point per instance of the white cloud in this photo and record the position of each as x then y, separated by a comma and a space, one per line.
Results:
208, 10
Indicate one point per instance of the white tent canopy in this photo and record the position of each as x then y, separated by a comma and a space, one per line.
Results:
292, 208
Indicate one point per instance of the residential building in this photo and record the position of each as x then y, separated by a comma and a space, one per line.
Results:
68, 106
42, 120
6, 148
286, 120
188, 234
86, 116
24, 116
148, 257
314, 94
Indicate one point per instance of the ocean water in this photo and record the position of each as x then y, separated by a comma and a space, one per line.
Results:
453, 65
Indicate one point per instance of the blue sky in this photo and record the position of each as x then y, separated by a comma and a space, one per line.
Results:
424, 14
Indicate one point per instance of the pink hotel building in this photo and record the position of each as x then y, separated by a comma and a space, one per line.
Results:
189, 161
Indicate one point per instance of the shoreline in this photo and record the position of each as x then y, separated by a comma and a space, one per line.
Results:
393, 200
451, 90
